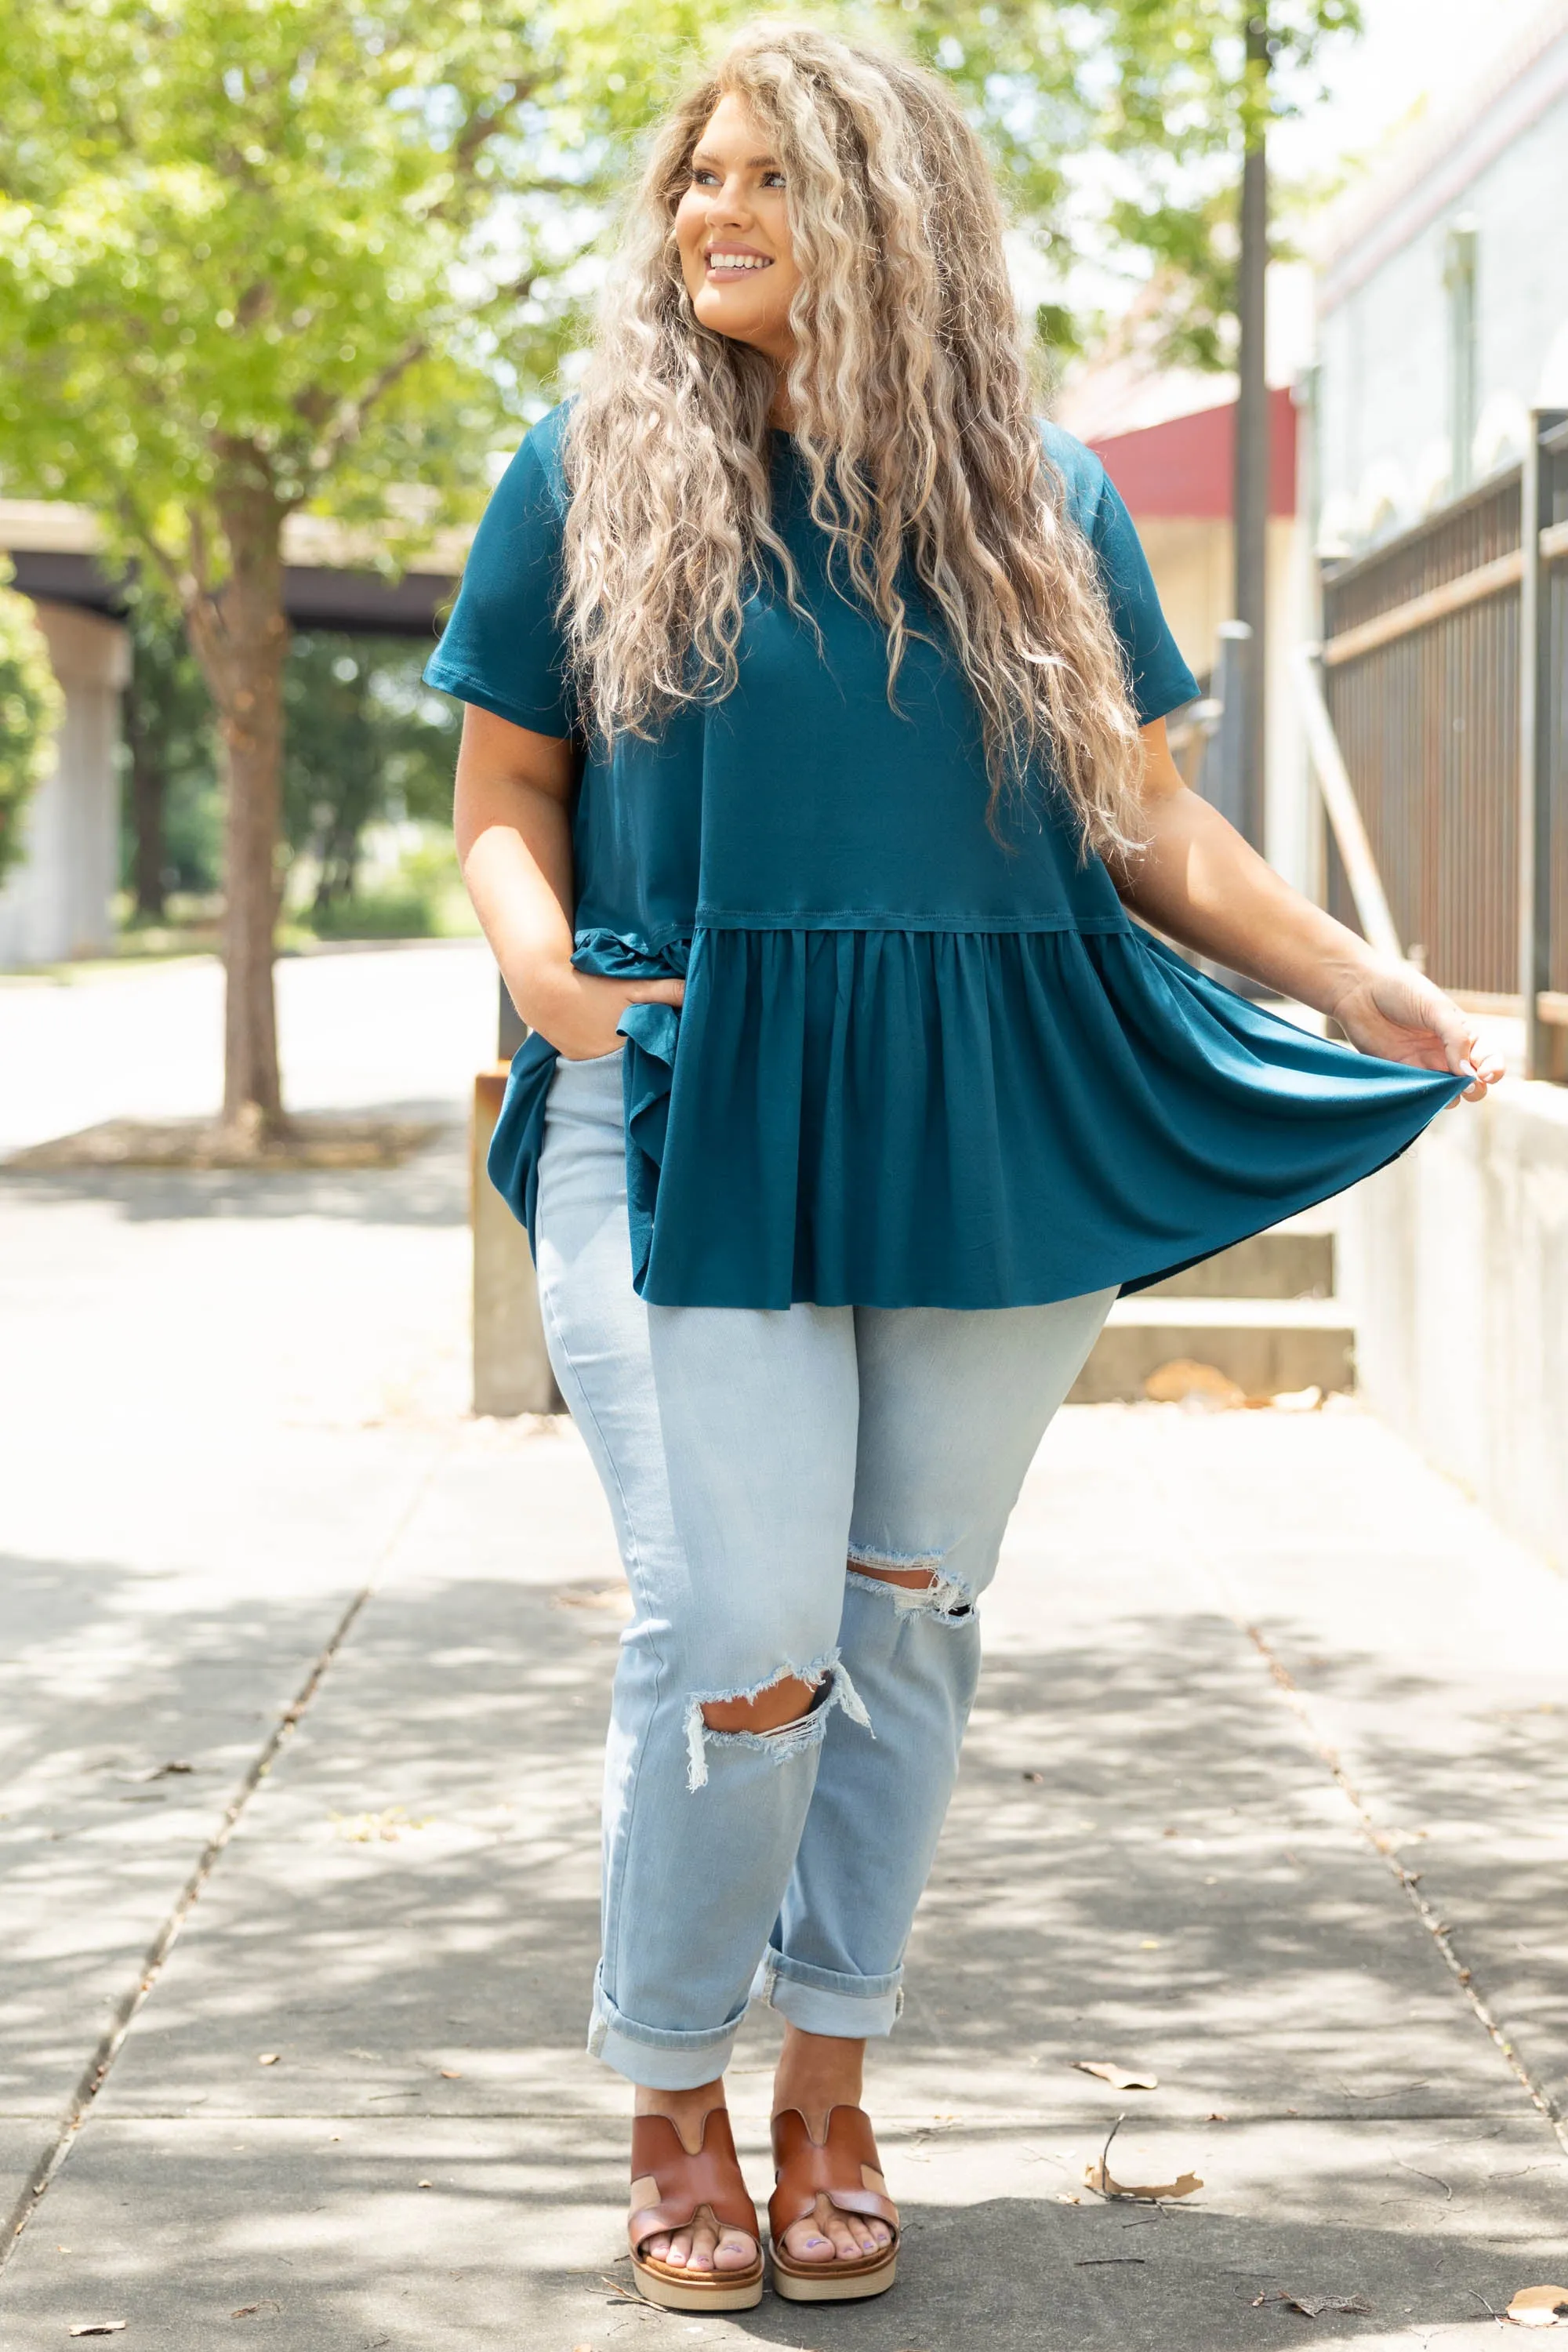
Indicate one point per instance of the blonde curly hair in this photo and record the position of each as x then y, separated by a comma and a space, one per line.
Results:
912, 409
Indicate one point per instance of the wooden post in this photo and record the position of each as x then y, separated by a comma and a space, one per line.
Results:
1250, 495
1548, 437
512, 1371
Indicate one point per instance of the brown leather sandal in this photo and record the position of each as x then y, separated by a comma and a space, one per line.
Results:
670, 2189
847, 2170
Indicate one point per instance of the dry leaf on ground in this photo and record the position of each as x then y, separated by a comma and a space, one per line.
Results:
1539, 2306
268, 2058
1312, 2306
100, 2327
1099, 2176
371, 1829
1186, 1381
1119, 2077
1100, 2181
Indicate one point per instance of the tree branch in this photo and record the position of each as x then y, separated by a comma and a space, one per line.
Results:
350, 417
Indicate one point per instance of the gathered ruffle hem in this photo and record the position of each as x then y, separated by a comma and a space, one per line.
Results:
925, 1117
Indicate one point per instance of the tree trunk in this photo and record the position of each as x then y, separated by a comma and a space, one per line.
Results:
240, 637
148, 783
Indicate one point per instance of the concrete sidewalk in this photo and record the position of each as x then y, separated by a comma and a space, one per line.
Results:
361, 1026
1265, 1793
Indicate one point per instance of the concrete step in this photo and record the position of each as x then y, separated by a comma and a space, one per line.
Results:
1291, 1262
1266, 1346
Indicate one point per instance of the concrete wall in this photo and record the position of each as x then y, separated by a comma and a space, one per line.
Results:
1455, 1261
56, 904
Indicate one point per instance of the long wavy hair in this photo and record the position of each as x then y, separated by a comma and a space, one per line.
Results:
911, 406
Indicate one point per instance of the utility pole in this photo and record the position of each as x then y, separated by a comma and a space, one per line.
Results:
1250, 501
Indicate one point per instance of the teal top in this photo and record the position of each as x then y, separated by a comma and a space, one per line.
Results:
915, 1065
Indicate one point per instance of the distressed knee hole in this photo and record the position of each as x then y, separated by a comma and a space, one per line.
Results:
783, 1718
783, 1702
910, 1579
920, 1585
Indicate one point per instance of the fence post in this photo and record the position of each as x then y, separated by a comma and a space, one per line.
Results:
1547, 436
1225, 781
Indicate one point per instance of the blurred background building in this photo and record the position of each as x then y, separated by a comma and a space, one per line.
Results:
1443, 301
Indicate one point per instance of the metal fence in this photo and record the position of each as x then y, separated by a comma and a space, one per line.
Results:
1444, 653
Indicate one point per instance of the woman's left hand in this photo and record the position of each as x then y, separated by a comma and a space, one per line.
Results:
1396, 1012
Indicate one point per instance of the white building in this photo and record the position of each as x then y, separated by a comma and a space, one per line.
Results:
1443, 301
57, 903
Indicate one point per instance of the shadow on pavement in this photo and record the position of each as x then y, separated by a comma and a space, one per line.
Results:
430, 1189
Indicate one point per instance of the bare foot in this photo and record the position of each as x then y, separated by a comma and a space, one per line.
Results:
818, 2071
703, 2246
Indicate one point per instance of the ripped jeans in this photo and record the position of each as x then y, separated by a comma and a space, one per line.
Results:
751, 1459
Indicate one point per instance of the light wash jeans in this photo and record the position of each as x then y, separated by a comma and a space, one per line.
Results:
751, 1459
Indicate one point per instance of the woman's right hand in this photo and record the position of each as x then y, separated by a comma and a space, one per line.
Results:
577, 1012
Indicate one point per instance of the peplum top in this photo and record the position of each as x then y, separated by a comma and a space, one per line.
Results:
916, 1065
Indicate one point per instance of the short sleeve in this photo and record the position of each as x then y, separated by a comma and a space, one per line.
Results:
504, 646
1161, 678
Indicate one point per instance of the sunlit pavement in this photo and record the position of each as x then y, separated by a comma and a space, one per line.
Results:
1249, 1676
360, 1027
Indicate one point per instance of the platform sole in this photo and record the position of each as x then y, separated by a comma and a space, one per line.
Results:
826, 2282
670, 2294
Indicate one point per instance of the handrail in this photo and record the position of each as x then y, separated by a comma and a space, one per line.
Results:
1343, 809
1493, 579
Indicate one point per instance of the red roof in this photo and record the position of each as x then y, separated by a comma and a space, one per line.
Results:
1184, 467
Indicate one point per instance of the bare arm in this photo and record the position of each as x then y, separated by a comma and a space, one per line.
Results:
1200, 883
514, 843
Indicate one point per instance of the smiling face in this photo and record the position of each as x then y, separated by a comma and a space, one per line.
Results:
732, 229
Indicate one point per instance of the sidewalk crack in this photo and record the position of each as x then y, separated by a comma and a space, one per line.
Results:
96, 2073
1408, 1881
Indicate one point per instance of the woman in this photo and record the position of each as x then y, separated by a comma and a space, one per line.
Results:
816, 699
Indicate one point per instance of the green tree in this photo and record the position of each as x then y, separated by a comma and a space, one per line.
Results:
264, 256
1163, 95
31, 709
255, 258
365, 740
171, 815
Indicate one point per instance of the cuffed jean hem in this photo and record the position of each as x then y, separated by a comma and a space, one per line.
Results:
655, 2056
822, 2001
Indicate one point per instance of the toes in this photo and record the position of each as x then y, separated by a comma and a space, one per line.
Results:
735, 2251
804, 2242
680, 2250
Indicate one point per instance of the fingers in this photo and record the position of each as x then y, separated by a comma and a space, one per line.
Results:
1468, 1055
655, 991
